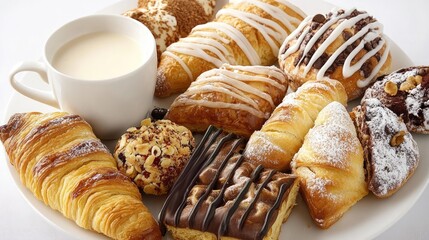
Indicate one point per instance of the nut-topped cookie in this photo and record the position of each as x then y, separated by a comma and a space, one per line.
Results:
154, 154
406, 93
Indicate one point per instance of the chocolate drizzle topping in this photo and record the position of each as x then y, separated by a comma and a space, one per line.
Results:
243, 218
219, 192
226, 218
192, 165
210, 188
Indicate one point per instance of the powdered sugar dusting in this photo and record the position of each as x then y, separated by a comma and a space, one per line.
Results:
260, 147
412, 103
414, 100
400, 77
318, 186
333, 138
391, 166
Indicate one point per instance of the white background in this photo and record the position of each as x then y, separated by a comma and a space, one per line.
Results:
25, 25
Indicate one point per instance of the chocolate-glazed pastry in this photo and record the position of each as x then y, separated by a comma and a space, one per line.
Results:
390, 152
222, 195
345, 45
406, 93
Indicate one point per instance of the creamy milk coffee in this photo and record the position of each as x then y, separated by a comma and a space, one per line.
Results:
98, 56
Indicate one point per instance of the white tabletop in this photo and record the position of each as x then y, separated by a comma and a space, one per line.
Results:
25, 25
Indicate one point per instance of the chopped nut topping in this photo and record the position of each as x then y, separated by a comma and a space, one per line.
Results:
416, 80
154, 154
406, 86
411, 83
397, 139
145, 122
391, 88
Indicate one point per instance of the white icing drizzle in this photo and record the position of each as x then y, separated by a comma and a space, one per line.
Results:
293, 7
205, 41
238, 83
343, 47
181, 62
364, 82
270, 30
236, 75
334, 35
369, 33
233, 34
319, 33
233, 81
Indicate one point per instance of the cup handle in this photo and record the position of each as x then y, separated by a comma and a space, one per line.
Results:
46, 97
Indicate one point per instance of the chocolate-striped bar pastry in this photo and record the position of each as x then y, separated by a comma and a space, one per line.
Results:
221, 195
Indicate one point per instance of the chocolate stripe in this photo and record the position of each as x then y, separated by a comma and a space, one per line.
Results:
193, 164
276, 205
195, 178
219, 199
250, 207
213, 183
226, 219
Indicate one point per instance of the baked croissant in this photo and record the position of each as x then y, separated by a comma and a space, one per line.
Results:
330, 166
238, 99
169, 20
345, 45
60, 160
283, 133
243, 33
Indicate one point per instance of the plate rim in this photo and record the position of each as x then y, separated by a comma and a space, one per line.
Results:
30, 198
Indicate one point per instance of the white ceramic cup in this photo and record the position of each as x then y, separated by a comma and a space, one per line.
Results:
111, 105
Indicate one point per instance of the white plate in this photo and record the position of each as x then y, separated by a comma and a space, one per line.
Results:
367, 219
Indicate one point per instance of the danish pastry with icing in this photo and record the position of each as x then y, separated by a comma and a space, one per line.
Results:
330, 166
154, 154
243, 33
391, 153
59, 159
345, 45
283, 133
406, 93
238, 99
221, 196
169, 20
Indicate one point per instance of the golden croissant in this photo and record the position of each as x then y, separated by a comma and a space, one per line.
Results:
243, 33
330, 166
283, 133
59, 159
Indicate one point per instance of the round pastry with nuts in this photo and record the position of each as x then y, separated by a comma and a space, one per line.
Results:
406, 93
154, 154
